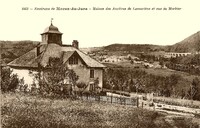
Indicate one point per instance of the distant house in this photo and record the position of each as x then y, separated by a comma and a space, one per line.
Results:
51, 46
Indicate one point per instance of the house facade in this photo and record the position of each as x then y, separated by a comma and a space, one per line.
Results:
51, 46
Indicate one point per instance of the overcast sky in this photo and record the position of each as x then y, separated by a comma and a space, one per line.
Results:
100, 27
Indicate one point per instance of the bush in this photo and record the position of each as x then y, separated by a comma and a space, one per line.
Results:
81, 85
9, 81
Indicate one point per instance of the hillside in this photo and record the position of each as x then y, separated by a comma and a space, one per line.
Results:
190, 44
134, 47
10, 50
91, 49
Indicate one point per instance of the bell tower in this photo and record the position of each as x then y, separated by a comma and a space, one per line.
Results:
51, 35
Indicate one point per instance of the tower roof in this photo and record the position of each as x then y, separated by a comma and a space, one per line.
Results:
51, 29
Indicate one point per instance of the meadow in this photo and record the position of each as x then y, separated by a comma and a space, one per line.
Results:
20, 110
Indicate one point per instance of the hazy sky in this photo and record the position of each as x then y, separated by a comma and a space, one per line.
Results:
101, 27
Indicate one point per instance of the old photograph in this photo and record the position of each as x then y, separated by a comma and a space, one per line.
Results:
100, 64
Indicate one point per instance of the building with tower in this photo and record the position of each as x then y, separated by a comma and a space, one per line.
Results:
51, 46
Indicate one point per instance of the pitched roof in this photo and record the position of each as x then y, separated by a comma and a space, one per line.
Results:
31, 59
25, 60
67, 55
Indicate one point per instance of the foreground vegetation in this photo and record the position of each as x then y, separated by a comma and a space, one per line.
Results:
22, 110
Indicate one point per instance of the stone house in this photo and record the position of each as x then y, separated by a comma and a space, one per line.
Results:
51, 46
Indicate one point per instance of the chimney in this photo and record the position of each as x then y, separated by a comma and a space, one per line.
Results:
75, 44
38, 49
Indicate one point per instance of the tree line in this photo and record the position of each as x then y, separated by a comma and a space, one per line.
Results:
189, 64
136, 80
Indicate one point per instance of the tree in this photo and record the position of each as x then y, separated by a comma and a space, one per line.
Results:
193, 92
9, 81
132, 62
161, 63
55, 77
173, 81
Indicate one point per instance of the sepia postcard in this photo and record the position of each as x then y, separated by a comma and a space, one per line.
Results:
100, 64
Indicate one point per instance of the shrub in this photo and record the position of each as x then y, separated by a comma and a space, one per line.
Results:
9, 81
81, 85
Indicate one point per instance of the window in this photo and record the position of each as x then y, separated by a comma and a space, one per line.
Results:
92, 87
73, 60
50, 37
54, 38
92, 73
59, 38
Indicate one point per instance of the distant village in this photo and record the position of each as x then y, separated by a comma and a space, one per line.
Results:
103, 57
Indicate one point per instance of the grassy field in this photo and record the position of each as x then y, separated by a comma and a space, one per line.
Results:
25, 111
